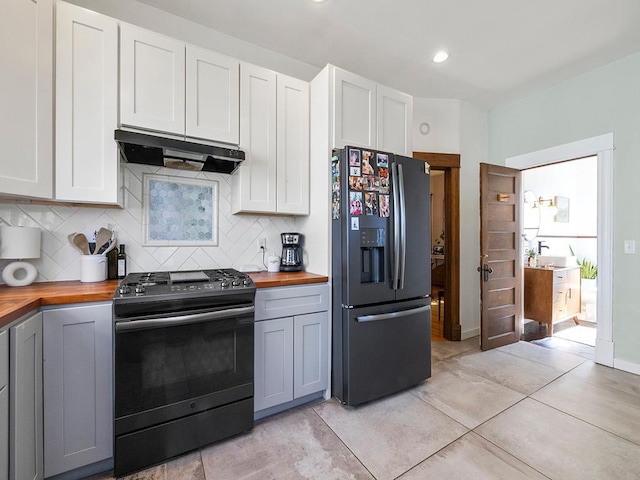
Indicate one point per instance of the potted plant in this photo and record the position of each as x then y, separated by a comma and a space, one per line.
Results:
531, 255
588, 275
588, 270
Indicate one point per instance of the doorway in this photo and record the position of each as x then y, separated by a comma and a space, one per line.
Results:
560, 242
602, 146
449, 164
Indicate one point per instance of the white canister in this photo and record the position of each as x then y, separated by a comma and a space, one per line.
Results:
273, 263
93, 268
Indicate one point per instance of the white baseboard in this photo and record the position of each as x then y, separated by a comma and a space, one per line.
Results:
474, 332
604, 352
626, 366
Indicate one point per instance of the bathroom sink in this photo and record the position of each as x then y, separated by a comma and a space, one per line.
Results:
557, 261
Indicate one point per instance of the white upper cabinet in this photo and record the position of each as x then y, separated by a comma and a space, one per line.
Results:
26, 83
395, 115
274, 133
152, 81
292, 146
254, 184
354, 110
169, 86
87, 161
369, 115
212, 89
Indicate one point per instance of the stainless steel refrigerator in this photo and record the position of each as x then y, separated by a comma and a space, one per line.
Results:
381, 274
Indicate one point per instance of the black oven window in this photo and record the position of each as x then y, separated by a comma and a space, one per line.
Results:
162, 366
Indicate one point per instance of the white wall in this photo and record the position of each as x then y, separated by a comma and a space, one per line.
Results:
604, 100
459, 127
443, 118
473, 151
577, 181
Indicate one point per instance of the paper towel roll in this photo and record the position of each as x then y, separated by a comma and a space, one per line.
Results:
19, 242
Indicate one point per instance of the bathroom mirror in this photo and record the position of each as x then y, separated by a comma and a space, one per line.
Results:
530, 216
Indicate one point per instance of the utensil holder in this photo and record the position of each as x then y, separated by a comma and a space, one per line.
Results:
93, 268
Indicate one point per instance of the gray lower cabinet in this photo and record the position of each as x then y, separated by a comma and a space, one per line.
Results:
273, 363
4, 405
78, 418
25, 400
291, 351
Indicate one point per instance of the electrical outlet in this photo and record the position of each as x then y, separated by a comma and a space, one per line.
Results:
262, 244
630, 247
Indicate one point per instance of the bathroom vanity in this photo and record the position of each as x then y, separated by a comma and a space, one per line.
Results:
551, 295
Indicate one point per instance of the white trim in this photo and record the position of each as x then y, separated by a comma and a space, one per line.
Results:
604, 280
604, 351
474, 332
626, 366
562, 153
603, 146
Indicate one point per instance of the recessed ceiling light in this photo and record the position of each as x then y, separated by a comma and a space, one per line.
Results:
318, 1
440, 57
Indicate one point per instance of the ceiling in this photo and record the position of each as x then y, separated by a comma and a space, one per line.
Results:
499, 49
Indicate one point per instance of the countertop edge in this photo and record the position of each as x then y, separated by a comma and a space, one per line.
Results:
18, 301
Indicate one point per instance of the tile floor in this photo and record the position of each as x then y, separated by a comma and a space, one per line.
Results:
518, 412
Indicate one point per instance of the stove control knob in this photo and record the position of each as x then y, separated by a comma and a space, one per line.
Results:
123, 289
236, 282
139, 288
246, 281
224, 283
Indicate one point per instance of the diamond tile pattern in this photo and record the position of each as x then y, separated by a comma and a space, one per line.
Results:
59, 260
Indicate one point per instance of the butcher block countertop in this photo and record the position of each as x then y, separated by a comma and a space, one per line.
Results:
18, 301
283, 279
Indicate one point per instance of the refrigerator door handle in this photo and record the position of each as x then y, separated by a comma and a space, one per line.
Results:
396, 226
403, 228
392, 315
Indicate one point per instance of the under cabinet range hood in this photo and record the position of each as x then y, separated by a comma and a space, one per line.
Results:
149, 149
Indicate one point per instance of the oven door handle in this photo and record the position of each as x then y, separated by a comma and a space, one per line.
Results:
182, 320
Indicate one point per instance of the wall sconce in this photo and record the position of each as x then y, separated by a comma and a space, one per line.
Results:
549, 204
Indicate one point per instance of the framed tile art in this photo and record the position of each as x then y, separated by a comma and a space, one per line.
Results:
179, 211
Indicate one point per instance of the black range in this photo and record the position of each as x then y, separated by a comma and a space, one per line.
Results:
183, 352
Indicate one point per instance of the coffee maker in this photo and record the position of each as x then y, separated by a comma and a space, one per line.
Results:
291, 259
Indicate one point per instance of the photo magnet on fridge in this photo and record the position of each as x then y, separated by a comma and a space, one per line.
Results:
355, 203
382, 159
371, 203
354, 157
367, 168
335, 205
355, 183
384, 205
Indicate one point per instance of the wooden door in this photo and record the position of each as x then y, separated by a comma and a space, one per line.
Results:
500, 264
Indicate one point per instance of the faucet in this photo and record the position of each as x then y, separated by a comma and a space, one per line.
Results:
541, 246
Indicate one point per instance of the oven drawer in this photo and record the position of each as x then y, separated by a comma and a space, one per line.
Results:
280, 302
152, 445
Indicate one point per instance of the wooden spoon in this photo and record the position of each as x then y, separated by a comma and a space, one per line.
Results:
80, 241
102, 238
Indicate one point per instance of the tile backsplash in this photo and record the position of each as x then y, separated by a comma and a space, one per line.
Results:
59, 260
